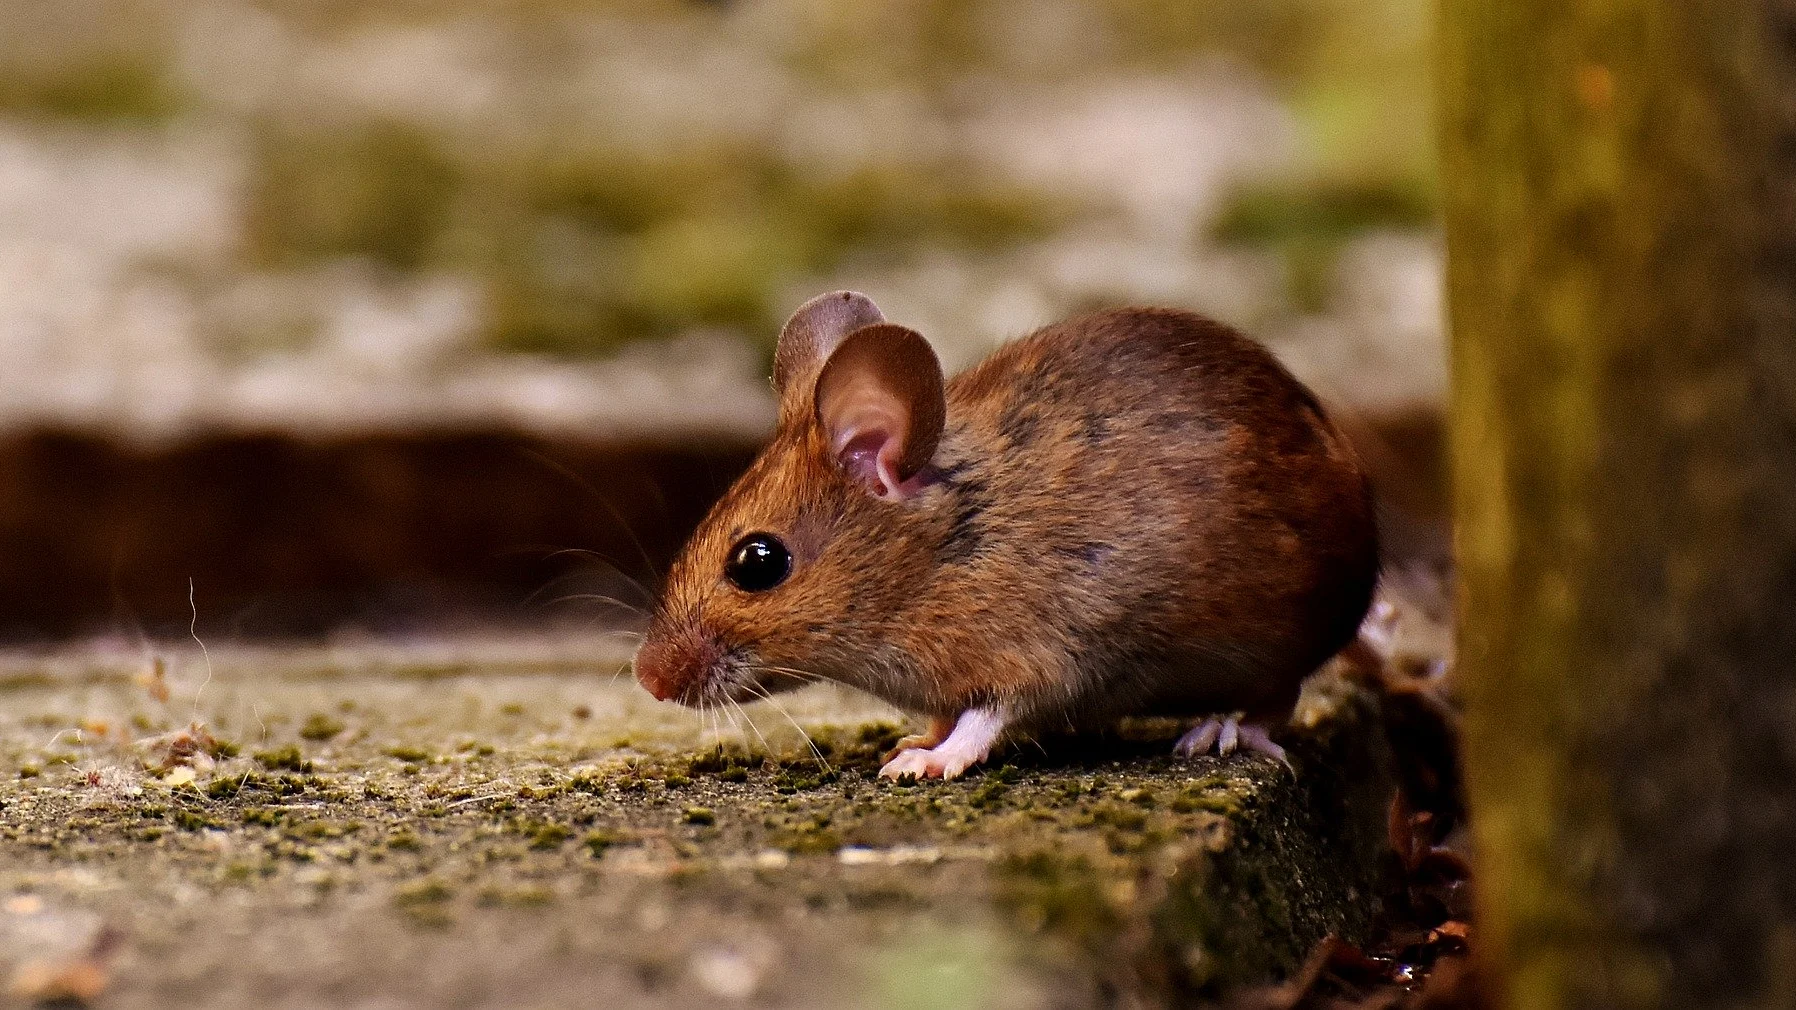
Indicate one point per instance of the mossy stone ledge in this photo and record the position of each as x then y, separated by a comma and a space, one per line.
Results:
542, 833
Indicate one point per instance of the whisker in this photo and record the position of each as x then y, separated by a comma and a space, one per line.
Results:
598, 598
707, 705
765, 746
612, 575
718, 715
619, 672
648, 564
816, 752
193, 630
610, 566
799, 675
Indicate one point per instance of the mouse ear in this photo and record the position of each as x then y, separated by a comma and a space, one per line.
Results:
814, 332
880, 401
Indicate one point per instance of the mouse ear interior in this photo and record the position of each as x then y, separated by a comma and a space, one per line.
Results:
881, 403
815, 331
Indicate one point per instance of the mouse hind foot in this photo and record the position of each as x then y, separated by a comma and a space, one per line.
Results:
1226, 734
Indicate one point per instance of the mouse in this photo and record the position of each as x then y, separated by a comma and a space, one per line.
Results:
1133, 512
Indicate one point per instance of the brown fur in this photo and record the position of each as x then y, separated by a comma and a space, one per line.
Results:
1133, 512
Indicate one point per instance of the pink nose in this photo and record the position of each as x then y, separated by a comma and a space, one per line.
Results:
655, 670
670, 666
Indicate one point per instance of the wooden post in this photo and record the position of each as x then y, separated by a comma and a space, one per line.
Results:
1620, 199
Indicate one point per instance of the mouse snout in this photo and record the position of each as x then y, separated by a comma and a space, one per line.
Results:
673, 668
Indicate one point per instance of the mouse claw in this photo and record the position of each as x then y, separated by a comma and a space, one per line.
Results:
939, 728
916, 741
925, 764
1199, 740
1231, 735
971, 740
1227, 736
1255, 738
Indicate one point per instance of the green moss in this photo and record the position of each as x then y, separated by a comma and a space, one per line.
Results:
988, 794
287, 757
583, 249
320, 727
1058, 893
117, 87
699, 815
382, 190
548, 837
324, 829
190, 820
1216, 801
712, 269
423, 892
289, 785
615, 248
792, 780
907, 206
712, 762
1329, 210
30, 771
1118, 816
528, 896
598, 842
1308, 224
408, 752
617, 191
878, 737
815, 834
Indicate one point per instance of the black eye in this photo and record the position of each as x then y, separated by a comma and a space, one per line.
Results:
758, 562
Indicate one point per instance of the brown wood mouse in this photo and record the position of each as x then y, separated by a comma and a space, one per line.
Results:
1135, 512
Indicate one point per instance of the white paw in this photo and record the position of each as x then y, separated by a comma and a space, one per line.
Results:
918, 763
975, 733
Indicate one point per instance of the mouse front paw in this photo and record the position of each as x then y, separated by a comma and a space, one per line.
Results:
973, 736
939, 728
926, 764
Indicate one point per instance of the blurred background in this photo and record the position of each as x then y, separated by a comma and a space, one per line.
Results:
325, 317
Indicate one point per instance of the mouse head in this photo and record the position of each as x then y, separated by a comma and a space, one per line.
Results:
797, 572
